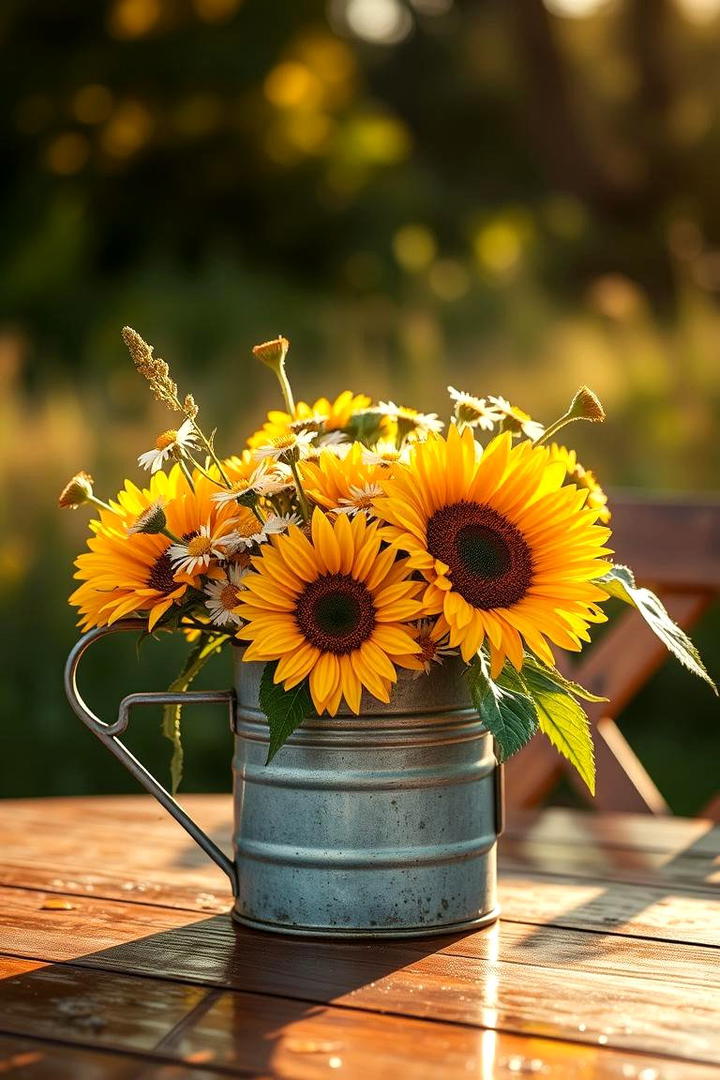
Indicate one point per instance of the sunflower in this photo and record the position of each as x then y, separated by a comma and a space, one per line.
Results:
125, 572
346, 484
583, 478
509, 554
322, 416
333, 607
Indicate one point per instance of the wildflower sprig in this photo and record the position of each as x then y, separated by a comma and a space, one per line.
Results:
157, 373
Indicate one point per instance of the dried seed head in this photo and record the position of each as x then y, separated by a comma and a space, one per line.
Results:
189, 407
152, 520
77, 491
152, 368
272, 353
586, 406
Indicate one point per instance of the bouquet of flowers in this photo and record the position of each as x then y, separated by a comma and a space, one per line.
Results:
352, 543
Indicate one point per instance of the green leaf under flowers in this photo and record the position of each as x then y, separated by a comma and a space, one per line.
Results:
562, 719
503, 705
620, 582
285, 709
557, 676
172, 714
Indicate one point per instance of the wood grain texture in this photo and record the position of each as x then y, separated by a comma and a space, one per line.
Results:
513, 994
605, 962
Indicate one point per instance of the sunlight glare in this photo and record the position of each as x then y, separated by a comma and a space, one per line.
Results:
384, 22
576, 9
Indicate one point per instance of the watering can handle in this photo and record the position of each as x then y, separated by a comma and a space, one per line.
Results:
108, 735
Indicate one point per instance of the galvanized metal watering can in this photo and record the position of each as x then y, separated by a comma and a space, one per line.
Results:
382, 825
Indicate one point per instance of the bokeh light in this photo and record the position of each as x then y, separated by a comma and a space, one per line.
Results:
414, 247
382, 22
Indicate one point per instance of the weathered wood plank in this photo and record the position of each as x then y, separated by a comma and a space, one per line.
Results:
562, 1001
258, 1035
150, 858
33, 1059
654, 868
113, 823
96, 925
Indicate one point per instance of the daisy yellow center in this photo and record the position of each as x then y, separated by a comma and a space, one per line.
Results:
363, 502
161, 576
335, 613
199, 545
247, 526
489, 559
283, 442
166, 439
229, 597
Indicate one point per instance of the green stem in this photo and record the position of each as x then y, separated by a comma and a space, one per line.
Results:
206, 443
99, 502
566, 418
302, 498
206, 474
171, 536
188, 476
286, 389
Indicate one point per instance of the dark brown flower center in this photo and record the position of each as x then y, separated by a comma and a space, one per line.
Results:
335, 613
161, 575
162, 570
490, 561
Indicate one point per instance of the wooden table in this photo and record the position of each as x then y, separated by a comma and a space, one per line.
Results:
120, 961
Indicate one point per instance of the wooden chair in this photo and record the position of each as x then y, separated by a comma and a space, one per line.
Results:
673, 545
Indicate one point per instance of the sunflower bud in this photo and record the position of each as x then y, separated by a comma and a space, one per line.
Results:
151, 521
586, 406
272, 353
77, 491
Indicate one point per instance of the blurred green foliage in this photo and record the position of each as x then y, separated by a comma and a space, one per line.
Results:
513, 198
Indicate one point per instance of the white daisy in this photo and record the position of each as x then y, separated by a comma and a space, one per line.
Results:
360, 500
385, 453
337, 449
261, 481
288, 447
224, 595
194, 555
169, 443
276, 523
474, 411
515, 420
409, 421
332, 438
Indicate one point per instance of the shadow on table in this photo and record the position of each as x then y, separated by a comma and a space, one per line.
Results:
209, 993
617, 903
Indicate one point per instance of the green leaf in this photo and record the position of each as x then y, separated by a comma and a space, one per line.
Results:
557, 676
285, 709
620, 582
562, 719
172, 714
503, 706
